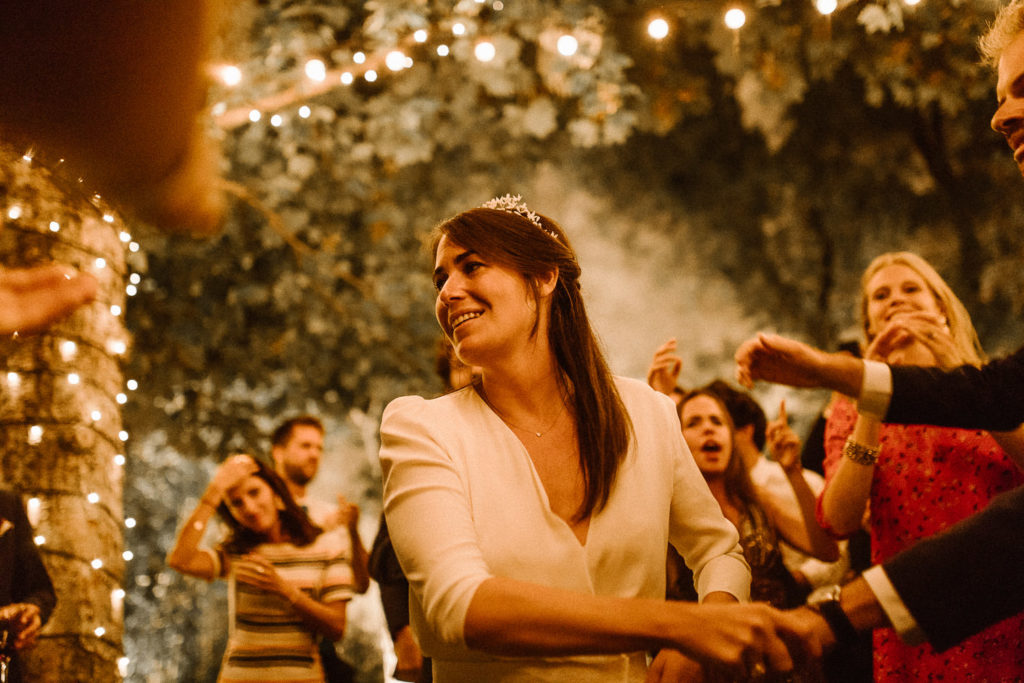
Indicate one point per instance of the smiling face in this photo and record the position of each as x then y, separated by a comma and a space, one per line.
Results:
896, 289
1009, 116
485, 309
708, 433
254, 505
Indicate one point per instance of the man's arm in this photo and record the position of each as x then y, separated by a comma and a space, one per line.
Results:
990, 397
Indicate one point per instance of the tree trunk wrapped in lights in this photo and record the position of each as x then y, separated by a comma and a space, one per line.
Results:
61, 439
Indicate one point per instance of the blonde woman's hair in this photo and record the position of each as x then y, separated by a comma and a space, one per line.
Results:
1007, 25
965, 338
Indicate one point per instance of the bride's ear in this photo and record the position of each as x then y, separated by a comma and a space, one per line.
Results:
546, 283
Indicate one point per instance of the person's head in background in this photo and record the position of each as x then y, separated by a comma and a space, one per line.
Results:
1002, 46
710, 434
260, 509
899, 283
748, 419
297, 445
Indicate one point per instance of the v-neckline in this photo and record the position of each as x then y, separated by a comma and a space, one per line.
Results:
538, 482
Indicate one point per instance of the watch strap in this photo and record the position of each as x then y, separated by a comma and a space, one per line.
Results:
833, 613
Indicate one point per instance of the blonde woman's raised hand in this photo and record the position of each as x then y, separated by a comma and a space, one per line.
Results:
783, 443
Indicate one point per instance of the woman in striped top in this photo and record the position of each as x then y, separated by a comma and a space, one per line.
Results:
289, 581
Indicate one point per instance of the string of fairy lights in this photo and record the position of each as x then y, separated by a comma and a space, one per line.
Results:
321, 77
19, 215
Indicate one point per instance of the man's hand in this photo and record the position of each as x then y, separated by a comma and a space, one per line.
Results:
32, 298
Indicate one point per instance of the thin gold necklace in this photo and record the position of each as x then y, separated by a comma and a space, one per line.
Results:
513, 425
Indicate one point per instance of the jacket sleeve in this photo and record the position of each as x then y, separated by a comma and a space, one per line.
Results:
967, 578
990, 397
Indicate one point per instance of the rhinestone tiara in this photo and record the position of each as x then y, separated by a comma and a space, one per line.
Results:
515, 204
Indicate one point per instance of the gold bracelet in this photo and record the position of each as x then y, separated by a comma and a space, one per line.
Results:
859, 453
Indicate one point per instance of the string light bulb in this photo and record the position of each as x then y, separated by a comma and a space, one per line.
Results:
229, 75
458, 29
735, 18
420, 36
316, 70
657, 29
395, 60
826, 7
567, 45
484, 51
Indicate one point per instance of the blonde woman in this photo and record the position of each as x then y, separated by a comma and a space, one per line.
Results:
912, 481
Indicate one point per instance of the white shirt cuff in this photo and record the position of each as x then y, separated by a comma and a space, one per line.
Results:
875, 389
891, 603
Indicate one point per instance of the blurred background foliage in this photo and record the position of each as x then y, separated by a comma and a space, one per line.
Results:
715, 182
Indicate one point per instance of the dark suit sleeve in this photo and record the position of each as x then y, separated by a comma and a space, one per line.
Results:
967, 578
990, 397
394, 588
29, 580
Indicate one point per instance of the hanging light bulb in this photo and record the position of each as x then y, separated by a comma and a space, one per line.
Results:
826, 7
484, 51
316, 70
567, 45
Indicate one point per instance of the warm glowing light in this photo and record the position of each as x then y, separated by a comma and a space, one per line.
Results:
276, 120
370, 76
567, 45
117, 346
122, 435
459, 29
13, 380
68, 349
74, 378
122, 666
442, 50
97, 563
347, 78
359, 57
498, 6
54, 226
93, 498
39, 540
127, 555
735, 18
420, 36
132, 385
14, 212
100, 263
305, 112
130, 522
109, 218
119, 460
126, 237
35, 434
115, 310
912, 2
100, 631
96, 416
131, 290
657, 29
219, 108
33, 509
135, 278
229, 75
316, 70
121, 398
395, 60
254, 115
133, 247
826, 6
484, 51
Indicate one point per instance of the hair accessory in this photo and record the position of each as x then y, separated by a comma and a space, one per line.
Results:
515, 204
859, 453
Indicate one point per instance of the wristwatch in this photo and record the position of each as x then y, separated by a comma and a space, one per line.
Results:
826, 603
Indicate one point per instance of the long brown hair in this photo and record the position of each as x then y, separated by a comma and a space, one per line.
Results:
295, 524
602, 424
